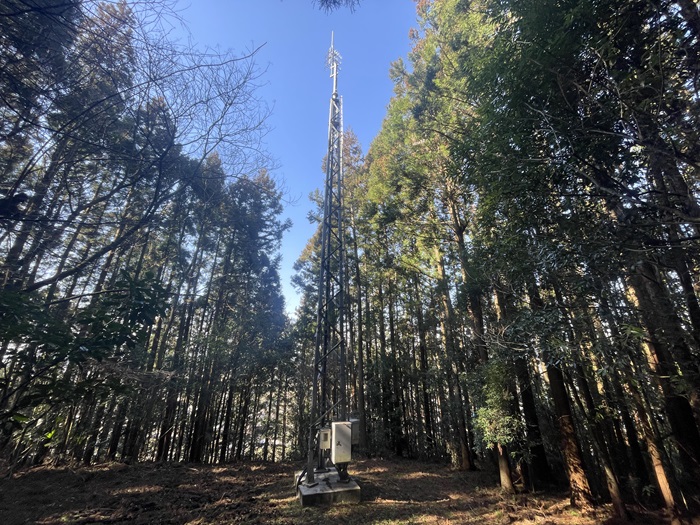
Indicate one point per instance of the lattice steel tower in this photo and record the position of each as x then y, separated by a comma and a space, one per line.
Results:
328, 401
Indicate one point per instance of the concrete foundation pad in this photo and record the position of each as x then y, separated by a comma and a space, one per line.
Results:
328, 489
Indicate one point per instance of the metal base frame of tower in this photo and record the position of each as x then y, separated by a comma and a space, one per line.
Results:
329, 384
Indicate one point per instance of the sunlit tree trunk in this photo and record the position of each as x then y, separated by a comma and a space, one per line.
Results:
456, 399
673, 360
425, 380
578, 481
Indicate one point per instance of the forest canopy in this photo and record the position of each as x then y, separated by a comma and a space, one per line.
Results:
140, 236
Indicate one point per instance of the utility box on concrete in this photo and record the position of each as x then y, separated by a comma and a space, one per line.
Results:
341, 445
328, 489
331, 485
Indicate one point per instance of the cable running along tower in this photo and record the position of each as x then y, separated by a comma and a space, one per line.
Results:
330, 431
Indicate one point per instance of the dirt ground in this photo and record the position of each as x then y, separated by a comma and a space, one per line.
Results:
393, 492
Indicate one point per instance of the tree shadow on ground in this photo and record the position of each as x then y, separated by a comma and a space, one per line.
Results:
393, 492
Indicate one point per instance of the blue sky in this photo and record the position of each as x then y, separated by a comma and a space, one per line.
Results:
295, 37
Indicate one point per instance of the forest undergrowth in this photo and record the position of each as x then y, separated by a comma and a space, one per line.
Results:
395, 491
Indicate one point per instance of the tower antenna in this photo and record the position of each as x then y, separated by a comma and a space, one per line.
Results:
330, 432
333, 63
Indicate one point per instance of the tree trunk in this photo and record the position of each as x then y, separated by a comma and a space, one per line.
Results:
451, 352
242, 421
360, 327
539, 470
668, 344
578, 482
425, 380
226, 431
504, 471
